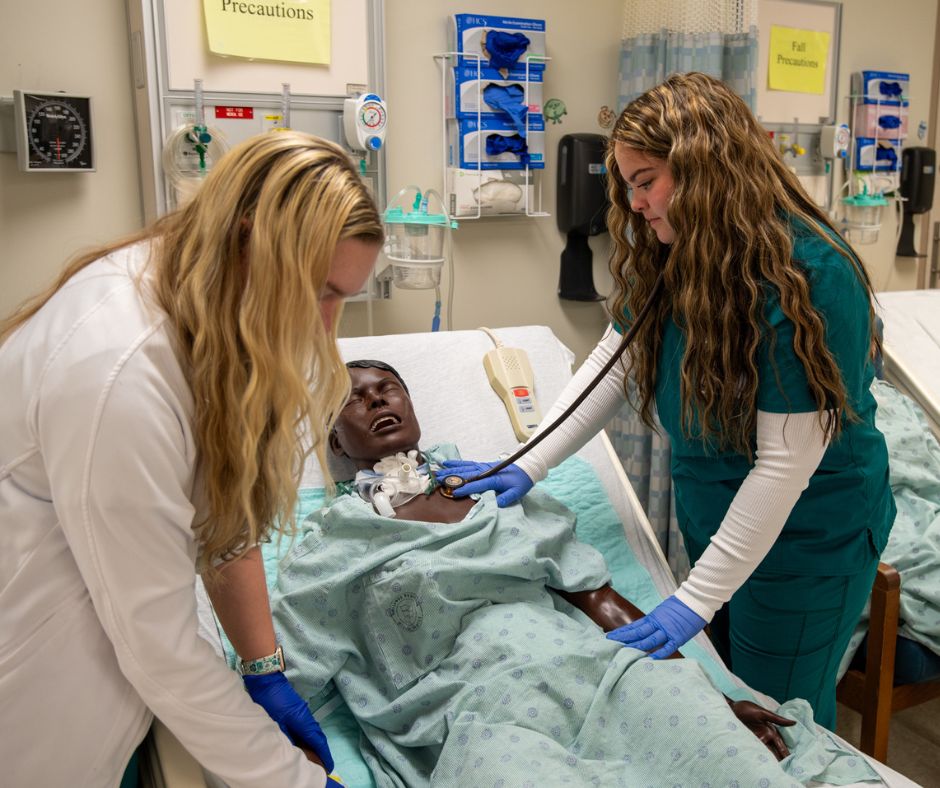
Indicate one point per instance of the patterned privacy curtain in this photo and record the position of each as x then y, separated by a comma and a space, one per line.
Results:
663, 37
645, 455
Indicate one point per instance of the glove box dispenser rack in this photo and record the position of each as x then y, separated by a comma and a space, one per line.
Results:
478, 184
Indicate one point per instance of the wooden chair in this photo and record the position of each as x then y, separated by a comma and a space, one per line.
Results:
872, 692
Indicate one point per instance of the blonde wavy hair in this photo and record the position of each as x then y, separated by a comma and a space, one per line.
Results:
239, 271
731, 211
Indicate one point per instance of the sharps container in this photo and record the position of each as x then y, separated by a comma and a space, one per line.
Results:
414, 239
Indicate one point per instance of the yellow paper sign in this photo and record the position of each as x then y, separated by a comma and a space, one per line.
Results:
296, 31
797, 60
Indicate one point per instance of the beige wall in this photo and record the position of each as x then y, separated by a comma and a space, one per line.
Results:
864, 37
506, 269
78, 48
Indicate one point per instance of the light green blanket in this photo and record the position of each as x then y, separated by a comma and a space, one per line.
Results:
462, 668
914, 545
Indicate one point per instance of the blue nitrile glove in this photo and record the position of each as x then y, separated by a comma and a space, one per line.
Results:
503, 143
273, 692
505, 48
510, 484
509, 99
670, 625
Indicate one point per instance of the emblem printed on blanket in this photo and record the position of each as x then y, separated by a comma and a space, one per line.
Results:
406, 612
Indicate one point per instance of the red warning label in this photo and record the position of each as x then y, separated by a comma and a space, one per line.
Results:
245, 113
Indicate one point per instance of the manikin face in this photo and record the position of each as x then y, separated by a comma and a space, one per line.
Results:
651, 188
377, 420
352, 261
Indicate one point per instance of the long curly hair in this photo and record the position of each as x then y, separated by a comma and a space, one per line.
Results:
731, 210
239, 271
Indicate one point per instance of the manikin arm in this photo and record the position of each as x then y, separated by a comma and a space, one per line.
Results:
609, 610
604, 606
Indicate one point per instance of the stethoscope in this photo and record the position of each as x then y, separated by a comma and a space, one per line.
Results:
450, 483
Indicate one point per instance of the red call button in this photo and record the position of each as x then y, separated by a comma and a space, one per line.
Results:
521, 392
242, 113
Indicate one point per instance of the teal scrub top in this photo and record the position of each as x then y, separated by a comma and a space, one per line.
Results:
843, 518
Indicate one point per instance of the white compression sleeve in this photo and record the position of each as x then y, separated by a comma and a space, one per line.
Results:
789, 449
590, 417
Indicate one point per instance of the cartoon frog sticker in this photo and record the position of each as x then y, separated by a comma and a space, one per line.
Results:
554, 109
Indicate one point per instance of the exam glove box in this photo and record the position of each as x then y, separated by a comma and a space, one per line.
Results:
466, 34
881, 120
464, 90
881, 87
881, 155
488, 192
466, 144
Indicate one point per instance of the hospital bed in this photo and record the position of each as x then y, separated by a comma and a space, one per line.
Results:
912, 347
455, 402
892, 672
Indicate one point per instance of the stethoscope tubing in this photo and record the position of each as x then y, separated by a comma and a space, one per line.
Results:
621, 349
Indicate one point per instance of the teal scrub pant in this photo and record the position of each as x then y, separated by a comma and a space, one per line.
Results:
785, 634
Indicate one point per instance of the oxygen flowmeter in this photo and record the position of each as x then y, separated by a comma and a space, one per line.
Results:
365, 119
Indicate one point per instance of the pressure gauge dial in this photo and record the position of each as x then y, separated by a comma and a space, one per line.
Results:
364, 121
53, 132
372, 115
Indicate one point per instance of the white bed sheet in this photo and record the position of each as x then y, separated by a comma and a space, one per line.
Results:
455, 402
912, 347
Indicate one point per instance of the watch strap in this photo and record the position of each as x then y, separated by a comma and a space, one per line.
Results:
273, 663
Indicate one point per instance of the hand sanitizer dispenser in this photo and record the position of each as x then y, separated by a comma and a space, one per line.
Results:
582, 210
918, 175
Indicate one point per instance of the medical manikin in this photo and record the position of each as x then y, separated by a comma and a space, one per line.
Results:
378, 431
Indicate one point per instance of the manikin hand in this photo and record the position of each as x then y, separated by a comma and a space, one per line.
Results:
510, 484
273, 692
762, 723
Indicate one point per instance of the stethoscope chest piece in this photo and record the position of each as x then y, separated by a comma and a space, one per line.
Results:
449, 484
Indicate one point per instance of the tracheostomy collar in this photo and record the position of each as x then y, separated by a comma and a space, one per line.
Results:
393, 481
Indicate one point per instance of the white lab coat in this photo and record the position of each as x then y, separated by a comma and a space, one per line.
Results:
98, 625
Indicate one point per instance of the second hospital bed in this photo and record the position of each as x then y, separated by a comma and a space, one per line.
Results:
898, 662
912, 347
454, 402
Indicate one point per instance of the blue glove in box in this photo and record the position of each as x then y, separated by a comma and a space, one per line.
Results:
468, 33
881, 87
881, 155
468, 143
464, 91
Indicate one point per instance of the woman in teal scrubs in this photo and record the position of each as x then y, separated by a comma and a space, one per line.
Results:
758, 361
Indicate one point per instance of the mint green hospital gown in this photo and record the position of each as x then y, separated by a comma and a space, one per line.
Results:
791, 620
462, 668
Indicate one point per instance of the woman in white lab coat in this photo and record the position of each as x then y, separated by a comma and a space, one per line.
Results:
158, 403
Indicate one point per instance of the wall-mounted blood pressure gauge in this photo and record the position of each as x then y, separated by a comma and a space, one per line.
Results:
53, 132
364, 121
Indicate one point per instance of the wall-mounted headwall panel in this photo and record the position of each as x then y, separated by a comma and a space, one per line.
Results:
169, 50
